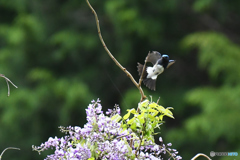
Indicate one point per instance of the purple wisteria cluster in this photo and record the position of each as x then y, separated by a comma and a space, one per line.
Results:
102, 137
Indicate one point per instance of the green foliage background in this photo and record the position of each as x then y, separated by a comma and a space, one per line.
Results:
51, 51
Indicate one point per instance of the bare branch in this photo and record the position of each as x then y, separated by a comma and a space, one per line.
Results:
110, 54
8, 80
144, 67
200, 154
7, 149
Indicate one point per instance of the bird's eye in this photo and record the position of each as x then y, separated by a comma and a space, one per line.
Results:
165, 56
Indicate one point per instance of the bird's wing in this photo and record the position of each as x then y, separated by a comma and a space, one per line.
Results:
170, 63
153, 57
140, 70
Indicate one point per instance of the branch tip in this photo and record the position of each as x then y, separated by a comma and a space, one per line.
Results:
8, 80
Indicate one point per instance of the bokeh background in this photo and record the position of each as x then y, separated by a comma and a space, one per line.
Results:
50, 49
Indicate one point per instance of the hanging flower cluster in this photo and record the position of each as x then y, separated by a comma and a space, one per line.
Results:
112, 137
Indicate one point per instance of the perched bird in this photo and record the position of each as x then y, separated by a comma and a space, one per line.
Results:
150, 74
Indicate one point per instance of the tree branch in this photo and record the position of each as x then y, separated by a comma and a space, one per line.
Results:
200, 154
8, 80
110, 54
144, 67
7, 149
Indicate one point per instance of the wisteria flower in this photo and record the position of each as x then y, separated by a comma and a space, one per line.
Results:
104, 137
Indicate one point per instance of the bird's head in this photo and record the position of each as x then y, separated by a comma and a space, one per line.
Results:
165, 57
164, 60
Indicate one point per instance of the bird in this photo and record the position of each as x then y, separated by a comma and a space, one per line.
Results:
150, 74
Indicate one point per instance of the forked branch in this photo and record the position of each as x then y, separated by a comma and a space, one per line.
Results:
8, 80
113, 58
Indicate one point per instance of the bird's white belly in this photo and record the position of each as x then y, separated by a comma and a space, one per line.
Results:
154, 71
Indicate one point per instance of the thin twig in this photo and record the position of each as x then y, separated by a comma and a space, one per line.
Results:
141, 138
8, 80
110, 54
144, 67
171, 156
7, 149
200, 154
122, 136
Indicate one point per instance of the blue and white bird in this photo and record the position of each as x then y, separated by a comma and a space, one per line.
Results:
150, 74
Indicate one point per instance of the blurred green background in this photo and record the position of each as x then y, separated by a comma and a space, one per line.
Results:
50, 49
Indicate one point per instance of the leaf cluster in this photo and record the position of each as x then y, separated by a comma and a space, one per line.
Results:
144, 121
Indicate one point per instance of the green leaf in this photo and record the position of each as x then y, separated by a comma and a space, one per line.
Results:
161, 117
170, 108
133, 126
155, 112
141, 119
158, 107
116, 118
149, 130
124, 126
131, 120
168, 113
151, 117
126, 116
143, 104
152, 105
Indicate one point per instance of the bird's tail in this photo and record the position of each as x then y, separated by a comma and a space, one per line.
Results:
149, 82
